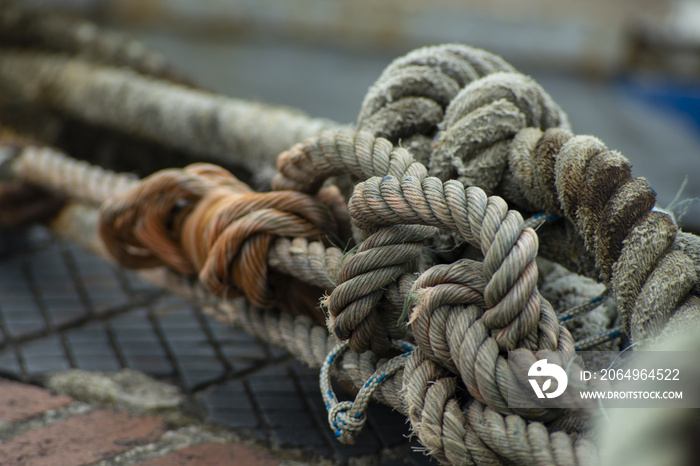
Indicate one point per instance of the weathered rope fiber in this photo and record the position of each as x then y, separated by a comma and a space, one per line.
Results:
311, 261
491, 127
311, 343
62, 33
229, 130
202, 220
273, 327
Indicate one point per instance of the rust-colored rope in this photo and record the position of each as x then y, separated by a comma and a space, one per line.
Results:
202, 220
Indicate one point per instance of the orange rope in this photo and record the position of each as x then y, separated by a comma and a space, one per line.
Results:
203, 220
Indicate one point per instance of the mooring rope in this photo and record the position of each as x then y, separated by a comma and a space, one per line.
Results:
490, 138
76, 36
309, 342
248, 134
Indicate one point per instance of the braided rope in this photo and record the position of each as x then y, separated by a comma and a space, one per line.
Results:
311, 343
452, 432
348, 418
344, 152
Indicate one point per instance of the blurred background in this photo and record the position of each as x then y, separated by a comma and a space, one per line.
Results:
626, 71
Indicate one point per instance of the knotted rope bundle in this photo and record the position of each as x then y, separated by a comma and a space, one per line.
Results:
483, 131
502, 133
202, 220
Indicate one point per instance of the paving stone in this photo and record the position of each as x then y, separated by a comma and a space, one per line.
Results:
242, 351
19, 310
214, 454
272, 379
44, 355
22, 322
81, 439
194, 356
9, 364
138, 343
230, 405
21, 401
91, 349
98, 280
55, 286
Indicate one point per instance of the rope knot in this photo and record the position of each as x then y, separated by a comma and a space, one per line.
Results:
203, 220
347, 418
346, 426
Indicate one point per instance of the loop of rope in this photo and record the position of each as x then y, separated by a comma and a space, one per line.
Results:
509, 250
358, 154
475, 434
452, 329
364, 279
504, 133
203, 220
408, 101
348, 418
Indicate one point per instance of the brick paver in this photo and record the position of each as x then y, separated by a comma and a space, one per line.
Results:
82, 439
20, 401
214, 454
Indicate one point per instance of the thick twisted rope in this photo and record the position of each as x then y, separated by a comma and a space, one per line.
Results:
529, 167
308, 342
311, 261
538, 167
229, 130
471, 433
75, 36
203, 220
383, 264
504, 133
408, 101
